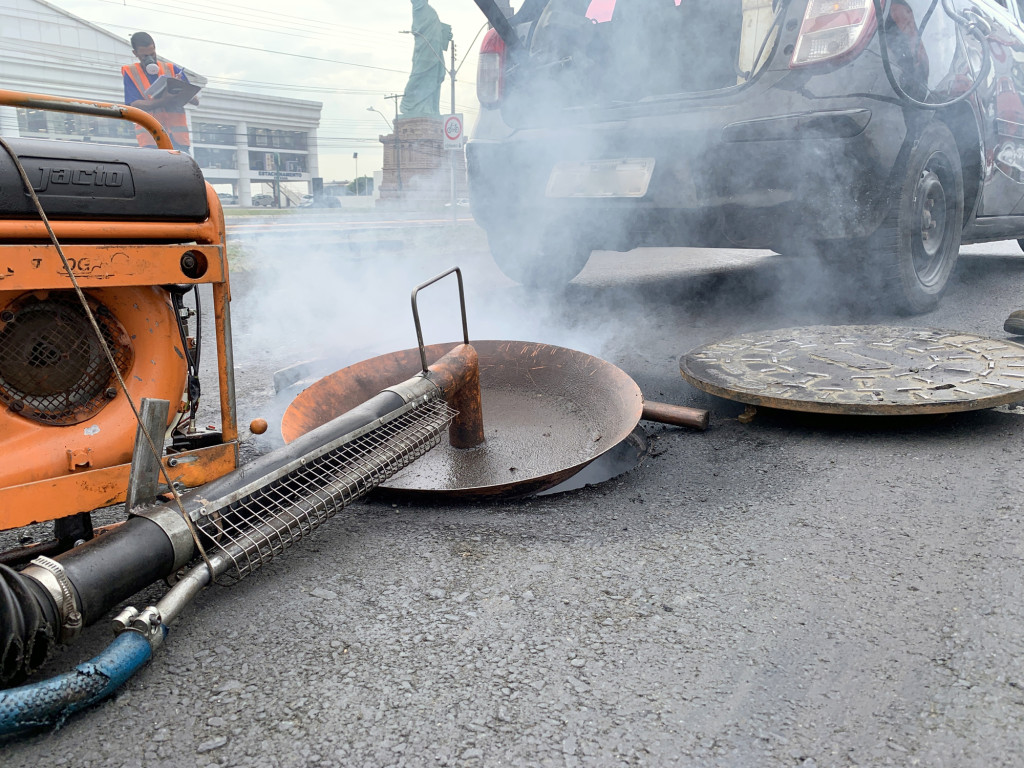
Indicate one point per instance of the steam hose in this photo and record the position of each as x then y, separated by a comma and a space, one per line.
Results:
50, 702
104, 571
98, 575
27, 620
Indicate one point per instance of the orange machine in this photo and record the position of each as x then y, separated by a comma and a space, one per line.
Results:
139, 228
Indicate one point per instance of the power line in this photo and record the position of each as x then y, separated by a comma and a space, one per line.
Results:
104, 64
221, 43
104, 60
304, 24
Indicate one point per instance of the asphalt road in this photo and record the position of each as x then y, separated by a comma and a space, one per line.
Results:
796, 591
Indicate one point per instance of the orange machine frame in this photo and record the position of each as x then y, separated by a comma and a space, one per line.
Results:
99, 264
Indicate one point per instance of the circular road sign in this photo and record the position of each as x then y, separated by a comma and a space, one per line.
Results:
453, 127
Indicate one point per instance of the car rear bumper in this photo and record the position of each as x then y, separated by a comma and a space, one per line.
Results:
720, 176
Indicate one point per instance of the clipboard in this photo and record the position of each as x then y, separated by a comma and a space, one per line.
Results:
181, 90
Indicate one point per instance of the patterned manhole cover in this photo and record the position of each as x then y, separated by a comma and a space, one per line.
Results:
860, 369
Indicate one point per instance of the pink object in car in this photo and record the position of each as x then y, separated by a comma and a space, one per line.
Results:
602, 10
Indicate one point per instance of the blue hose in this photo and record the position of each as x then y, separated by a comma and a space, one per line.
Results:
50, 702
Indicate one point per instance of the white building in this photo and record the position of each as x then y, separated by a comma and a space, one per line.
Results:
242, 139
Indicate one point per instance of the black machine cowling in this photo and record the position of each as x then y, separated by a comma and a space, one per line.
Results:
83, 181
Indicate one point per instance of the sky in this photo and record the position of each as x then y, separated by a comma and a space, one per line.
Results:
346, 54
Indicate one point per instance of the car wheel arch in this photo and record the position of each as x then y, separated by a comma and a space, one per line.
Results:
962, 122
907, 264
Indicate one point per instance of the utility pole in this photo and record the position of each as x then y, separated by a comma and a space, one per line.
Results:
355, 156
451, 153
451, 73
398, 144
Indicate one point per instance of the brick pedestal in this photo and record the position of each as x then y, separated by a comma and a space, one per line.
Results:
425, 166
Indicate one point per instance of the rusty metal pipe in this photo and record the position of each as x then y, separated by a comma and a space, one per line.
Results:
457, 376
676, 415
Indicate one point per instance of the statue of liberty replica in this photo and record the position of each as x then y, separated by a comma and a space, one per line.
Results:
416, 166
423, 91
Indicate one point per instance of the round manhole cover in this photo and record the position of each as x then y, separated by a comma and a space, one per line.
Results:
860, 369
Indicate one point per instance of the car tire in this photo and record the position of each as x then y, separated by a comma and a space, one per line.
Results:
543, 262
914, 252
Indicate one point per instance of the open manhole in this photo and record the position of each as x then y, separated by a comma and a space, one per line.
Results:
860, 370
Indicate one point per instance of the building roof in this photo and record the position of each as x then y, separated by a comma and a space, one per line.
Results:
80, 20
119, 45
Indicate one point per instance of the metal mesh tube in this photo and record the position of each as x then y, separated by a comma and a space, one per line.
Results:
268, 519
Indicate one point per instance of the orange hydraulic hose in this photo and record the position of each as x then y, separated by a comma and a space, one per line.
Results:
98, 108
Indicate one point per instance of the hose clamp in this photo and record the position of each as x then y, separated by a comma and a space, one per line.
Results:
418, 388
54, 579
147, 623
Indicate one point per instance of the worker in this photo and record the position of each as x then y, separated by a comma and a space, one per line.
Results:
167, 108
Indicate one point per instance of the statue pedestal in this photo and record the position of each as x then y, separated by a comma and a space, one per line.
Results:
420, 172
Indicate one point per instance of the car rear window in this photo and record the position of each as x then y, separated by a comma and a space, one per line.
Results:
617, 51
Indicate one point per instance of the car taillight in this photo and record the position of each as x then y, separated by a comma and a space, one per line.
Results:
490, 71
832, 29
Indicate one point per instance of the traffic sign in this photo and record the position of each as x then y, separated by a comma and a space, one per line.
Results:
454, 135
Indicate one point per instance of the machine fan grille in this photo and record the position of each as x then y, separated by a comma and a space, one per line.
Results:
52, 367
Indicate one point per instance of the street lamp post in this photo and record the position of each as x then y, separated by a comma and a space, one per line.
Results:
398, 143
383, 116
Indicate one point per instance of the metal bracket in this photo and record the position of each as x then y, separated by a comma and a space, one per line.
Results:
144, 475
416, 311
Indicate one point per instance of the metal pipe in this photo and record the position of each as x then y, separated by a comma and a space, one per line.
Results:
110, 568
225, 361
116, 565
171, 605
265, 465
457, 376
98, 108
416, 312
92, 578
676, 415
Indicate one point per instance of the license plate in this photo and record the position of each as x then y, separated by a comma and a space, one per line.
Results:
625, 177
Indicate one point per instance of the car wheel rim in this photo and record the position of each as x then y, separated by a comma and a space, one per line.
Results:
931, 230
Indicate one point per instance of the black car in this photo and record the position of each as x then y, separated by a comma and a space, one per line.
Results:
794, 125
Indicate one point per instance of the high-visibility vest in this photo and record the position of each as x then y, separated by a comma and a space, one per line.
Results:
173, 121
